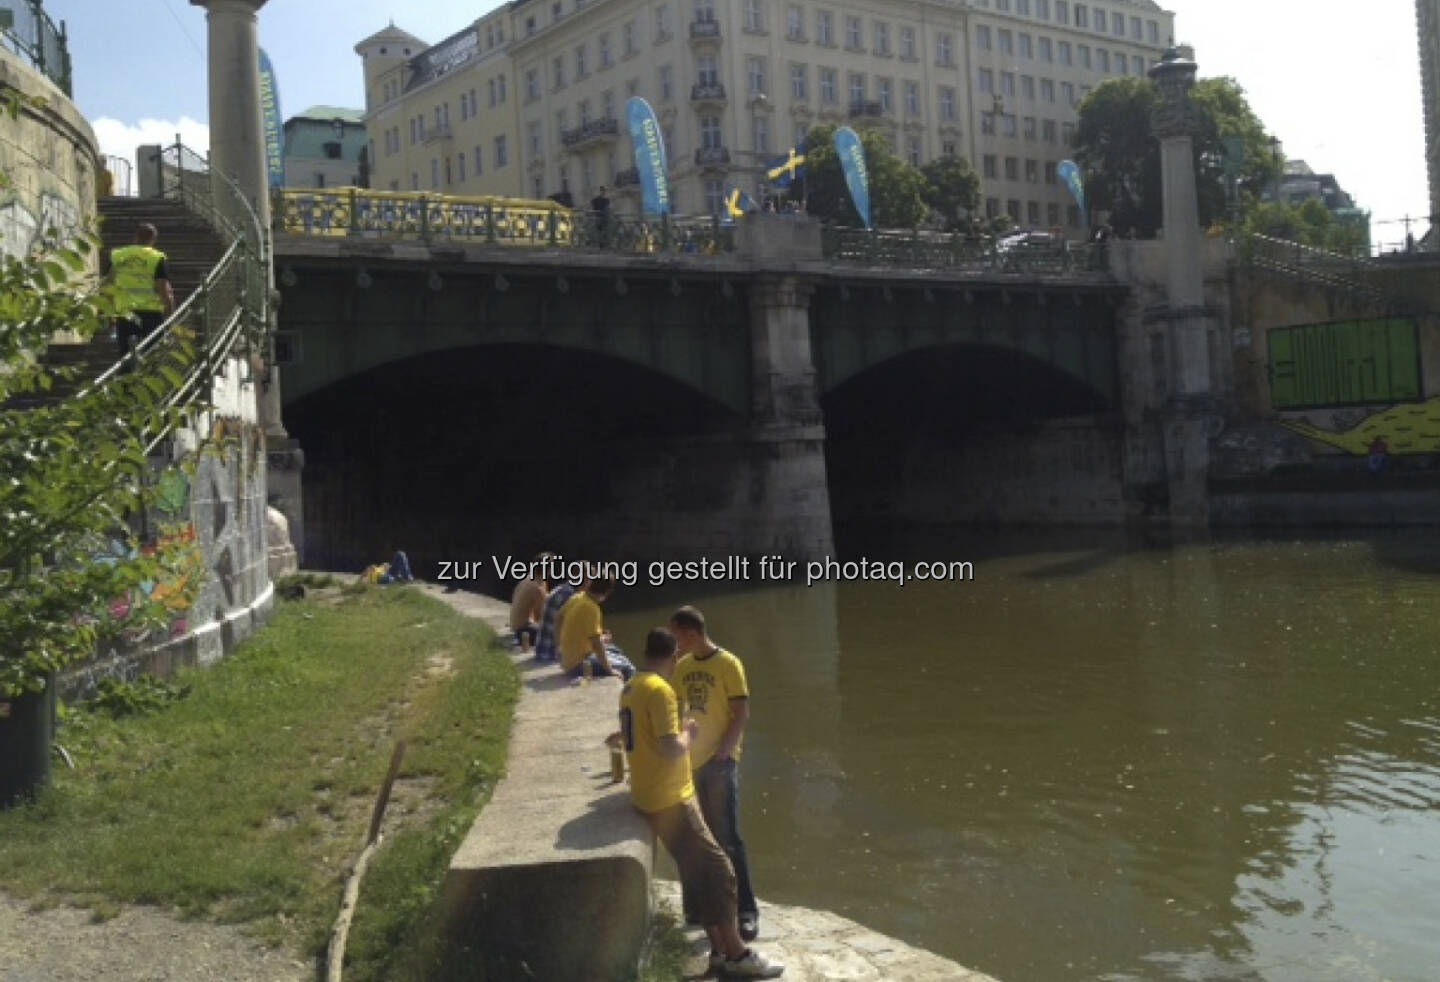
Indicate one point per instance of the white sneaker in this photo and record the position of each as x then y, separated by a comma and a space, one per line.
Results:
753, 966
717, 960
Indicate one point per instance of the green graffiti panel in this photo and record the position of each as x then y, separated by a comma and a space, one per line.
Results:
1345, 363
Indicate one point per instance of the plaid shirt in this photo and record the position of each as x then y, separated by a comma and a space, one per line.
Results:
547, 645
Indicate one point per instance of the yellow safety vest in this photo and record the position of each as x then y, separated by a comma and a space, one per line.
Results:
134, 268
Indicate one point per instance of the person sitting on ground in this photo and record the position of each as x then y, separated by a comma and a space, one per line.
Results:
397, 570
583, 638
1379, 451
547, 644
527, 606
661, 789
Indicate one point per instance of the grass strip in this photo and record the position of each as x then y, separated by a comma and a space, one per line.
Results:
246, 799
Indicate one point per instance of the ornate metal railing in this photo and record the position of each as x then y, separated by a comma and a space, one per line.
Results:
867, 110
595, 129
27, 30
918, 249
712, 156
711, 92
701, 30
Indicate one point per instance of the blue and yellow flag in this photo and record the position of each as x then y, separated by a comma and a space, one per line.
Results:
650, 161
857, 176
274, 131
737, 203
784, 171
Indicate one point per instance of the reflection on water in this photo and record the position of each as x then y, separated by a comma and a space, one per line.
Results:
1094, 762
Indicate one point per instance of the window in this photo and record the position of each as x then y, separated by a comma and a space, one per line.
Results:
1012, 208
1152, 32
1102, 59
708, 74
1137, 64
1052, 215
992, 207
755, 16
824, 28
882, 37
1006, 42
1067, 133
799, 83
914, 152
947, 102
982, 37
582, 61
1012, 168
607, 99
907, 43
584, 111
1032, 170
562, 123
414, 181
912, 98
1136, 32
755, 72
1022, 7
1029, 127
942, 49
532, 85
885, 94
1064, 52
535, 139
799, 133
987, 124
1042, 9
1007, 83
667, 83
827, 85
1032, 212
705, 11
795, 24
1117, 25
948, 148
854, 34
461, 161
319, 179
1027, 48
1082, 15
1027, 87
464, 107
1050, 176
715, 197
1047, 52
662, 23
1082, 52
857, 90
434, 172
990, 166
1062, 11
603, 45
762, 134
632, 87
557, 73
627, 35
1047, 130
986, 80
479, 160
502, 153
1067, 93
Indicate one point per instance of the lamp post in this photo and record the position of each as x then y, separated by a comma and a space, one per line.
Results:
1277, 155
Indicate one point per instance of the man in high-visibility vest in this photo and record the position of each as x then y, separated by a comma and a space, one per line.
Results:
143, 296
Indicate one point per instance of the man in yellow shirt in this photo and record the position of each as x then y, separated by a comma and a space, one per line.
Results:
143, 295
661, 789
711, 682
583, 637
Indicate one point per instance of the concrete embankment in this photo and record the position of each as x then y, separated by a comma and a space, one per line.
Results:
556, 825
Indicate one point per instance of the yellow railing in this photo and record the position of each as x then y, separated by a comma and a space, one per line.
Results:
398, 214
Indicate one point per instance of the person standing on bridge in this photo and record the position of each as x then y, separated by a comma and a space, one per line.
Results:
662, 790
711, 682
600, 205
143, 295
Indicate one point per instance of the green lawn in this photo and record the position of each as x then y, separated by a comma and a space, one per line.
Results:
246, 799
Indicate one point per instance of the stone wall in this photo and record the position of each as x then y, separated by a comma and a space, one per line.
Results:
49, 156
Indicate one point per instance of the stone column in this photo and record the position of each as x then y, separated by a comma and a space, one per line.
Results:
1189, 415
790, 501
237, 149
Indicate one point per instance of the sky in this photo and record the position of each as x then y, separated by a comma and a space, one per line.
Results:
1338, 83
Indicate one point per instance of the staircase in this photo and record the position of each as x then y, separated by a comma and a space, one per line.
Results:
191, 250
1316, 267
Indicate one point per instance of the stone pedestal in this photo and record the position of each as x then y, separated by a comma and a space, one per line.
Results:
790, 497
286, 461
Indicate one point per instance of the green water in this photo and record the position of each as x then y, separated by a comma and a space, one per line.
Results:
1102, 762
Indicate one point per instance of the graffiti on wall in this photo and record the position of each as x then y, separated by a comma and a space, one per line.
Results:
172, 534
22, 228
1413, 428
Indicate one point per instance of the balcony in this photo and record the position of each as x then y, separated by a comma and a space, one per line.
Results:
711, 158
704, 32
627, 178
589, 134
712, 93
436, 134
867, 110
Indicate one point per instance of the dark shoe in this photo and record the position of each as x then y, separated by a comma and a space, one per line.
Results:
749, 927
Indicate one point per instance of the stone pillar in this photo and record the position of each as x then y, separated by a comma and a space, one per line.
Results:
790, 500
1189, 414
237, 149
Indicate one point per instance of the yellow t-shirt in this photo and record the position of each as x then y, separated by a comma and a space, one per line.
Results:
649, 711
580, 622
706, 684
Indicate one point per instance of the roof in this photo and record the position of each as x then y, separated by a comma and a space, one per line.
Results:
328, 113
391, 33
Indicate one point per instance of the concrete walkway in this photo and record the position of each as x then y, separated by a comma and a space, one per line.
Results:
815, 945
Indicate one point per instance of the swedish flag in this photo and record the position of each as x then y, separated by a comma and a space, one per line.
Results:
737, 203
783, 171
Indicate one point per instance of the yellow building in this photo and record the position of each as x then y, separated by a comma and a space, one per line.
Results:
530, 98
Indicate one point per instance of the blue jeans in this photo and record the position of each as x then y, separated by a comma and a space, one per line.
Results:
717, 786
399, 571
618, 662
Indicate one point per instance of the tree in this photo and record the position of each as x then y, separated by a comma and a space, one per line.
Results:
74, 471
1120, 156
1313, 224
952, 190
897, 190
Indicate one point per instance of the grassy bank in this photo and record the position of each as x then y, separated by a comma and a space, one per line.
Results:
246, 798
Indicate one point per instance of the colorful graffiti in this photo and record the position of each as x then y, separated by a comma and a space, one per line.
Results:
21, 229
173, 536
1412, 428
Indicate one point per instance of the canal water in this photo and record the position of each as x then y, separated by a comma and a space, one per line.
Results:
1100, 760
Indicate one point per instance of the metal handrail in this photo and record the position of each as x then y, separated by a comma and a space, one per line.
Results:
39, 42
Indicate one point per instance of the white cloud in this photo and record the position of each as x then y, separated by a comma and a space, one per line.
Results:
119, 139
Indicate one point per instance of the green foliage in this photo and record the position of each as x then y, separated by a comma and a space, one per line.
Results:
74, 472
897, 190
147, 694
952, 191
1312, 224
1120, 157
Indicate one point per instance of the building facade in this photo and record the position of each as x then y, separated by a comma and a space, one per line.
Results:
326, 147
529, 100
1427, 15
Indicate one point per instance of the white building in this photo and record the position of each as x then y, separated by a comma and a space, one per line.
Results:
529, 100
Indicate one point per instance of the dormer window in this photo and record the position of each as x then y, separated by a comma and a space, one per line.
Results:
332, 150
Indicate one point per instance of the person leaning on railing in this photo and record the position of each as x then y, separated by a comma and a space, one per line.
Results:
143, 295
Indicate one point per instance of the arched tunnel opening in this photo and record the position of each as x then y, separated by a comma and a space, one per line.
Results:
503, 450
967, 435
